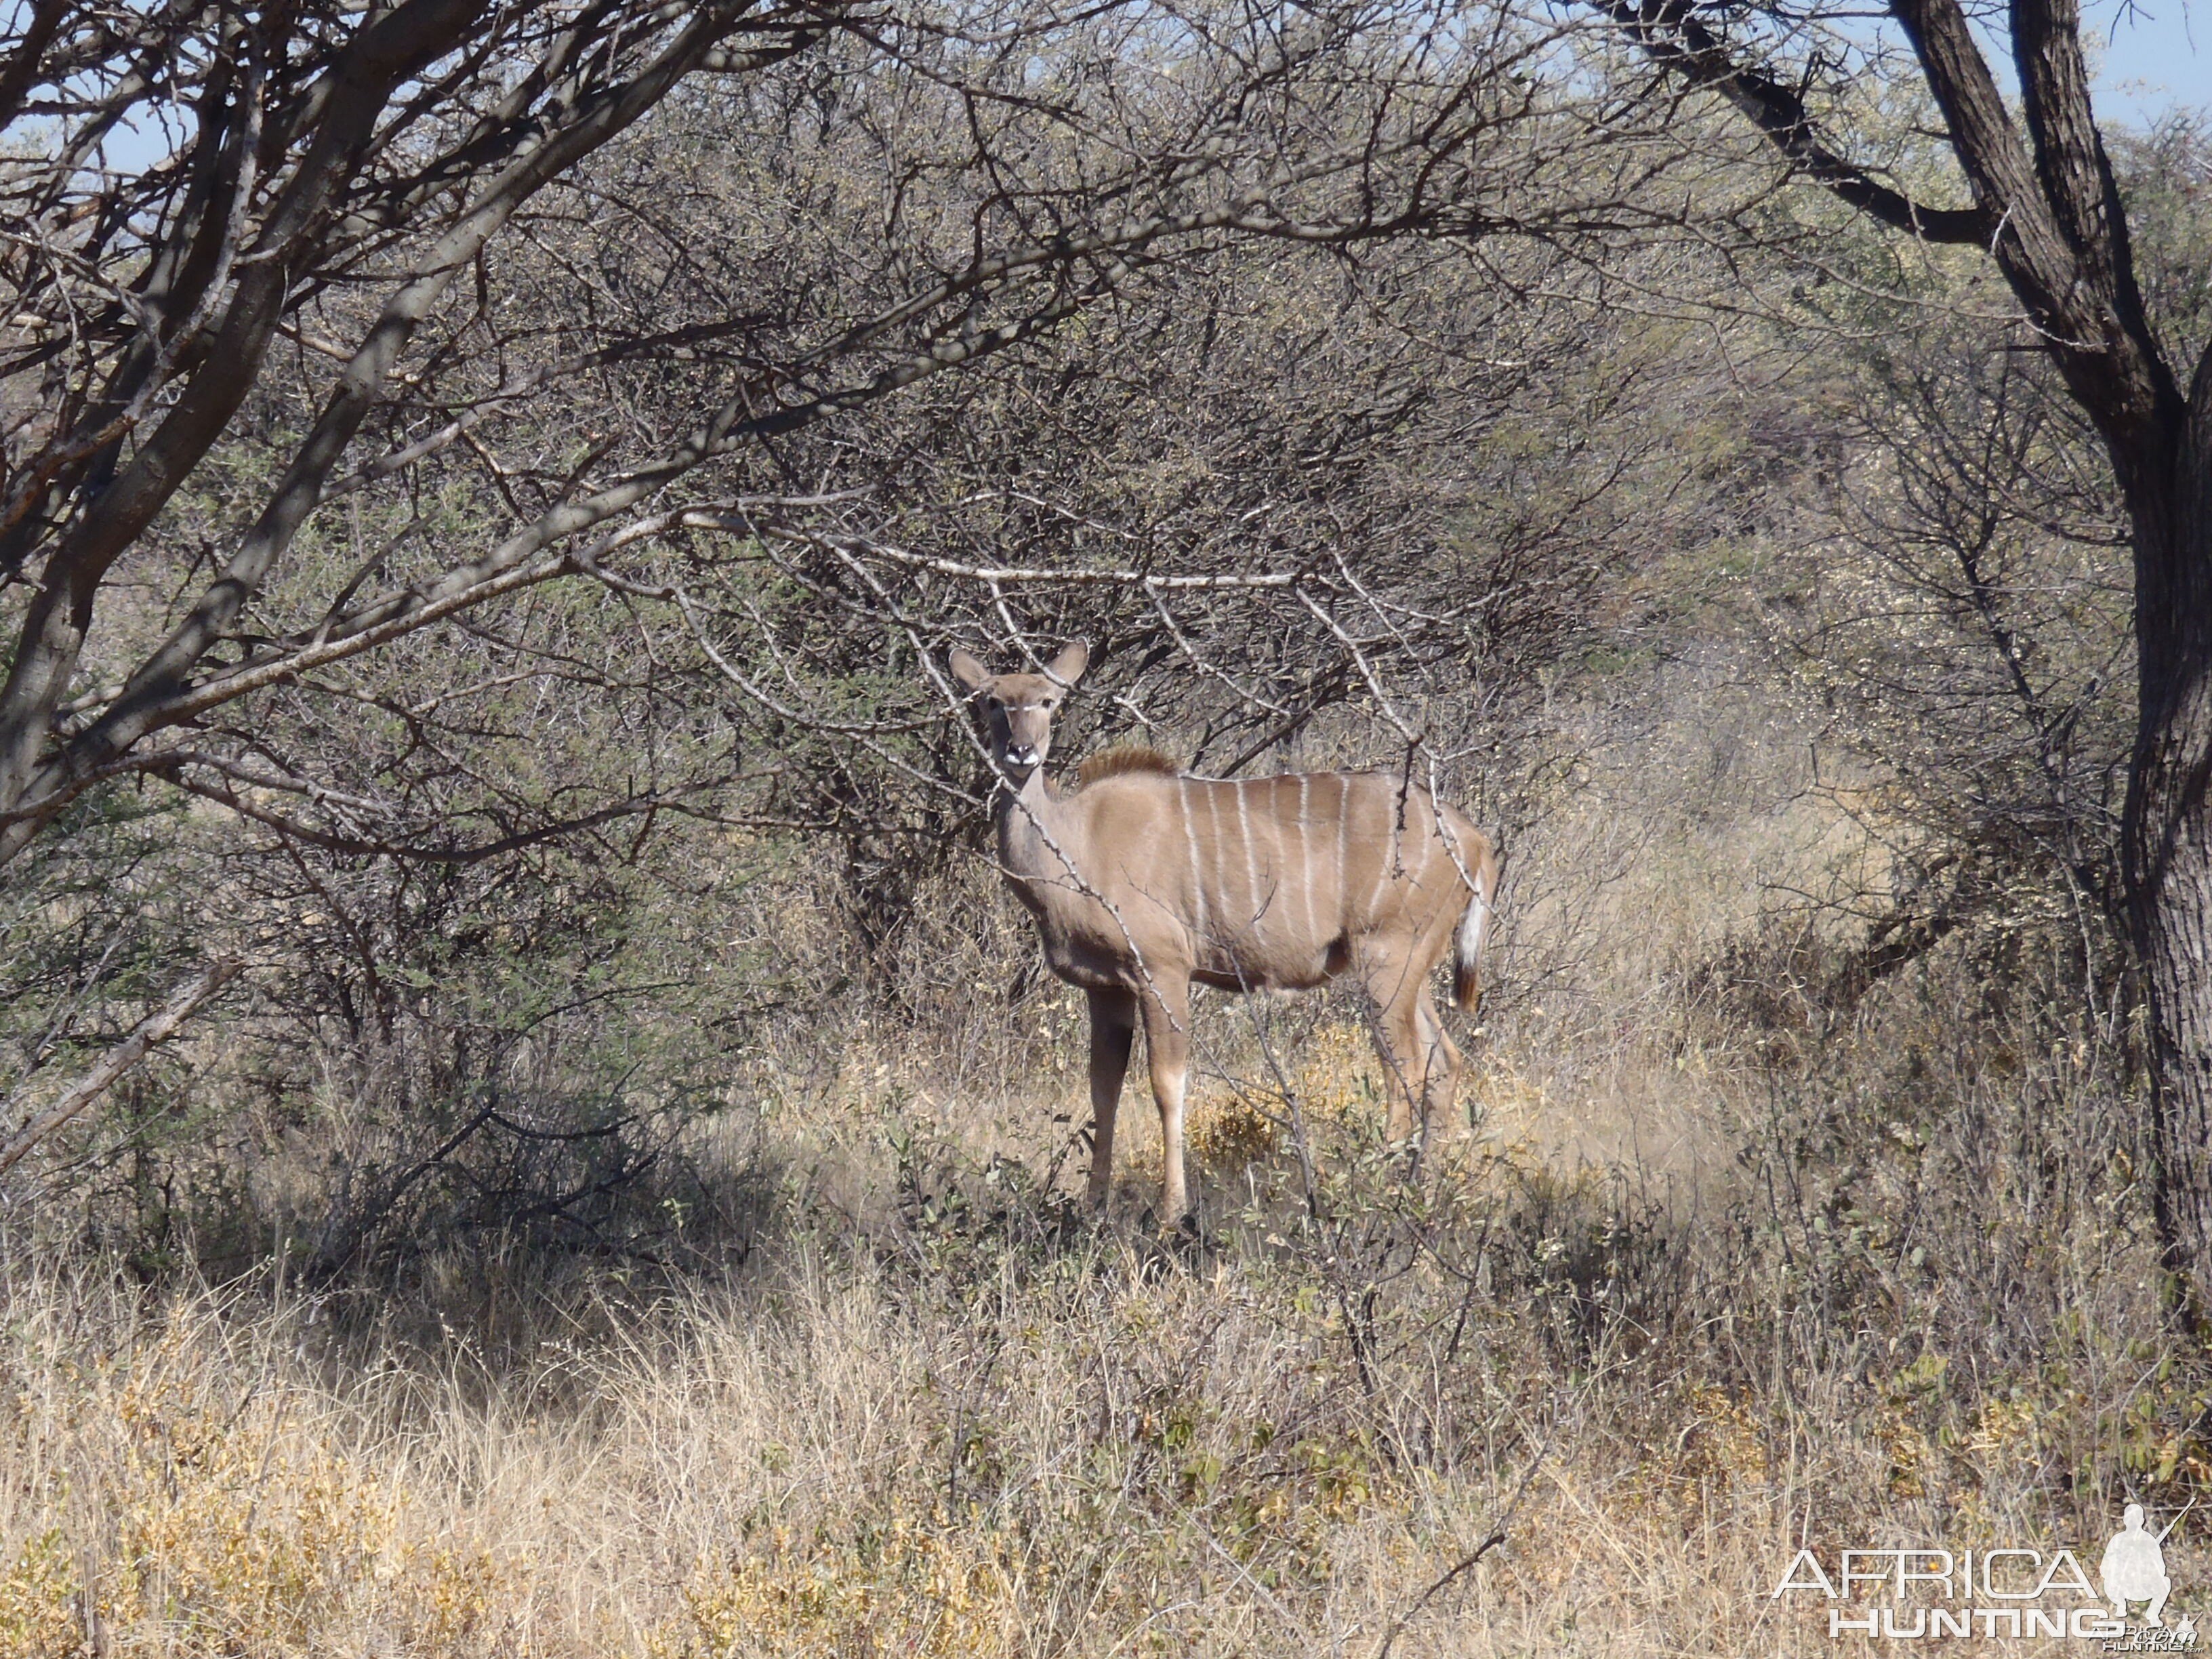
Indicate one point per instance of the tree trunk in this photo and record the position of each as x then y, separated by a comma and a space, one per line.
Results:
2167, 833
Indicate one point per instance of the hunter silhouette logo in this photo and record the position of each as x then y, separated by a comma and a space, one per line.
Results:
2019, 1595
2134, 1568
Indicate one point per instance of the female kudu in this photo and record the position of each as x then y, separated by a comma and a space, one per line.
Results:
1142, 881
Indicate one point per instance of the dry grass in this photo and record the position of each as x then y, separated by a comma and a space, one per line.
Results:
1696, 1289
944, 1425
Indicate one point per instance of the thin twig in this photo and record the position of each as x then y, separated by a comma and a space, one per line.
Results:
156, 1027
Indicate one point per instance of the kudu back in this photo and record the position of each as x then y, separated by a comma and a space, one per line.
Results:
1143, 881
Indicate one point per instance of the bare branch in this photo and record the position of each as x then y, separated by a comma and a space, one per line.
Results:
155, 1029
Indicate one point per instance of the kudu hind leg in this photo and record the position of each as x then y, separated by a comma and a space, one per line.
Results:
1113, 1030
1445, 1065
1400, 1044
1167, 1051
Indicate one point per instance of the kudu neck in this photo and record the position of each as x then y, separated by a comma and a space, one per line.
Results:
1029, 821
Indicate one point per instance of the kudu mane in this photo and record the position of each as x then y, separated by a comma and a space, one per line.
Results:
1121, 760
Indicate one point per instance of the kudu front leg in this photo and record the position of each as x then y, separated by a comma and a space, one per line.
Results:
1166, 1050
1113, 1030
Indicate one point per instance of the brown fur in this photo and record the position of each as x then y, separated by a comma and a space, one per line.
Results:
1144, 881
1467, 987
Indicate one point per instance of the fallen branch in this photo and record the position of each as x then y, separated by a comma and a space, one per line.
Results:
1466, 1563
156, 1028
1399, 1624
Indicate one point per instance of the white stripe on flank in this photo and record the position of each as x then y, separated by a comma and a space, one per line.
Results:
1251, 864
1384, 859
1428, 852
1343, 870
1190, 842
1305, 862
1213, 850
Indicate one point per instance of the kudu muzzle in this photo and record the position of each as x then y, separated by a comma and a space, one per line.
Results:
1025, 739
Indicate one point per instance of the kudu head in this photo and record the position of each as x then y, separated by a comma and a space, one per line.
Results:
1017, 709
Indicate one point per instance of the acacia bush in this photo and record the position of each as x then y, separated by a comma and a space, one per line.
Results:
516, 898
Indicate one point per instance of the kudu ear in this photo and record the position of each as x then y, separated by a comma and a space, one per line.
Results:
966, 670
1067, 667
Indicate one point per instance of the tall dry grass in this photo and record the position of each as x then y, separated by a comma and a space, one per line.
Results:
950, 1423
1716, 1271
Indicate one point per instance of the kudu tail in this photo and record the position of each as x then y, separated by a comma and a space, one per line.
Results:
1467, 944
